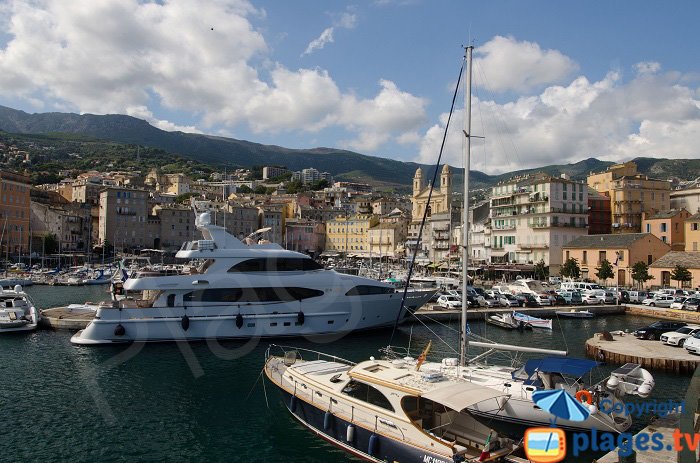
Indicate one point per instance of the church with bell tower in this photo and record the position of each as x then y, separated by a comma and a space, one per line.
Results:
441, 198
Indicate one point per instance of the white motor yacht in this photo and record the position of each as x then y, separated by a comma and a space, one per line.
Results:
17, 312
239, 291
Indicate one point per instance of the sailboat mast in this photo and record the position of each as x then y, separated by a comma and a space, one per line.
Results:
465, 208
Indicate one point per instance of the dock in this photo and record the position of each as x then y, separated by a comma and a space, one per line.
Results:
649, 354
431, 312
663, 313
66, 318
666, 426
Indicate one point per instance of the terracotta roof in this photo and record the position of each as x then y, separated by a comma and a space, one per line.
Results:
617, 240
693, 218
664, 214
673, 258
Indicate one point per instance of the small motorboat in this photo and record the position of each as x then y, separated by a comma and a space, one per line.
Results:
573, 313
507, 321
533, 321
17, 312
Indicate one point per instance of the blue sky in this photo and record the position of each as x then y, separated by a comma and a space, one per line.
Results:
554, 81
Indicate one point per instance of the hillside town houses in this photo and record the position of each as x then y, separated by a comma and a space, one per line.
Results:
618, 215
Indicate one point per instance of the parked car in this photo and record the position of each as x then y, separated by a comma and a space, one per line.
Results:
624, 296
656, 329
489, 301
678, 302
609, 297
473, 301
592, 298
692, 303
678, 337
637, 296
659, 301
692, 344
449, 302
508, 300
543, 299
531, 300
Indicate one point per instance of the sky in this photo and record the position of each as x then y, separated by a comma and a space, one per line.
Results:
553, 81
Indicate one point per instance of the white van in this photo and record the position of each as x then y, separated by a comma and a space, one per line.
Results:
580, 286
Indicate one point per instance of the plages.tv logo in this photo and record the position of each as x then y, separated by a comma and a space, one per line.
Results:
548, 445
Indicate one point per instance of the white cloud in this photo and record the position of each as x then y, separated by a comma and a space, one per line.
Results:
345, 20
201, 58
651, 115
647, 67
521, 66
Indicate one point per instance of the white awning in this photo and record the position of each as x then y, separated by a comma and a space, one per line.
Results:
461, 395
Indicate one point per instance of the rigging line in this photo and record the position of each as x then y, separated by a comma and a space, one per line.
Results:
499, 121
425, 212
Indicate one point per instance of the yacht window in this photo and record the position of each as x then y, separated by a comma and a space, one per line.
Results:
364, 290
269, 294
284, 264
367, 393
205, 265
171, 300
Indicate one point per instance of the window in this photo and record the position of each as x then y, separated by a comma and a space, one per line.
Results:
265, 294
366, 290
367, 393
601, 256
276, 265
648, 228
663, 227
649, 259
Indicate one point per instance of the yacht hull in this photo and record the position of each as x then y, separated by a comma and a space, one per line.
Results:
113, 326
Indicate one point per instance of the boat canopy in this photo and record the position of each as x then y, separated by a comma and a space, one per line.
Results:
568, 366
461, 395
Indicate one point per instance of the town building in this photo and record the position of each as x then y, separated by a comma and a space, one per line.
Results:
599, 213
14, 212
662, 269
69, 223
692, 233
479, 235
622, 250
269, 172
175, 226
311, 175
273, 218
383, 206
687, 198
350, 234
533, 216
307, 236
630, 193
668, 226
386, 240
124, 218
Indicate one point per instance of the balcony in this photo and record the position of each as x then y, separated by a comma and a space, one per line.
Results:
538, 199
539, 225
569, 225
533, 246
504, 227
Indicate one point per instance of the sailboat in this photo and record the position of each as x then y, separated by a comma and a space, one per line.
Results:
402, 408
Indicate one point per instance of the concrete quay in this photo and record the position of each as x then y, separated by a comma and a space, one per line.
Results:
663, 313
72, 318
651, 355
666, 425
436, 313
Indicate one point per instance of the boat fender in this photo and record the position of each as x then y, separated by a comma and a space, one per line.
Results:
350, 433
373, 446
327, 421
239, 321
119, 330
584, 394
185, 322
300, 317
293, 403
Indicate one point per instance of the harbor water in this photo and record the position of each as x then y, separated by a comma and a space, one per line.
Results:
202, 401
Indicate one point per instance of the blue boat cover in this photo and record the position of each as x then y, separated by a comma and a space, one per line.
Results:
573, 367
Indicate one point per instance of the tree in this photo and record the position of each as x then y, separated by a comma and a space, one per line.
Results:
570, 269
244, 189
319, 185
541, 270
605, 270
681, 274
295, 186
640, 273
260, 190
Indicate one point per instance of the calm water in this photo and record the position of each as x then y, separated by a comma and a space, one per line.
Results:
196, 402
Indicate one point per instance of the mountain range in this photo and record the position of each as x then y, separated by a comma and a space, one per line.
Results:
343, 164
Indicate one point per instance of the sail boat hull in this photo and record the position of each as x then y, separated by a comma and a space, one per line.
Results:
385, 448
